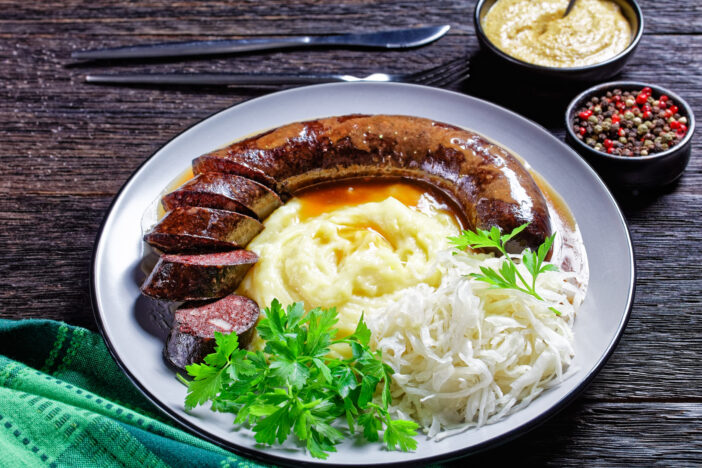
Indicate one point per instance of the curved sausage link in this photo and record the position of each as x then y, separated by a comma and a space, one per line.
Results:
488, 184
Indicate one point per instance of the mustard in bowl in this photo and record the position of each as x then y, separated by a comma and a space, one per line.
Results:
592, 42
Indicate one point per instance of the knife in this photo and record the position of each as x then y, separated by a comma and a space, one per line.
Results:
395, 39
226, 79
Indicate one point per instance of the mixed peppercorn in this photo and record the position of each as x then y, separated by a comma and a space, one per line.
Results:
630, 123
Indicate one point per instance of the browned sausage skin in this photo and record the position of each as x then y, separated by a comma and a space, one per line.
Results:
197, 277
488, 184
198, 229
225, 192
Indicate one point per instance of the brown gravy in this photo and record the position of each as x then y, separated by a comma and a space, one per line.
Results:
568, 249
182, 178
325, 197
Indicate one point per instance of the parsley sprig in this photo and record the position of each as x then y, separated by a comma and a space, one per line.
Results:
295, 386
508, 276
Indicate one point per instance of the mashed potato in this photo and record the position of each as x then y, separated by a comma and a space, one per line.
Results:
355, 258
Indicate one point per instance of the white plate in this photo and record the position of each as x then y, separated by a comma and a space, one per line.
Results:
136, 343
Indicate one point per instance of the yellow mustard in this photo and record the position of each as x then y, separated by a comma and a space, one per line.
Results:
535, 31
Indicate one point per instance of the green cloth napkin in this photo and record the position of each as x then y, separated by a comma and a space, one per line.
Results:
65, 403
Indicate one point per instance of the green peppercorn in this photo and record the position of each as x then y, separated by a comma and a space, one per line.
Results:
644, 153
629, 102
642, 129
637, 120
598, 129
592, 119
622, 140
683, 120
665, 146
628, 115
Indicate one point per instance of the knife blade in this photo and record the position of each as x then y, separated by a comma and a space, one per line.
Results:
393, 39
219, 79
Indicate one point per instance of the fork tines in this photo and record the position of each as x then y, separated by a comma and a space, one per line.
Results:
441, 75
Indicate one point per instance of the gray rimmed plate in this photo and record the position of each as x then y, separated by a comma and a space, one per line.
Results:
134, 333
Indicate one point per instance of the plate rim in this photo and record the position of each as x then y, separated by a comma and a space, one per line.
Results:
267, 457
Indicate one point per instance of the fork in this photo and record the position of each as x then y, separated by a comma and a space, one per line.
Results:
441, 75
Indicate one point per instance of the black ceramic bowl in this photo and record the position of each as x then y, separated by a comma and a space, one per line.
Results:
633, 172
595, 72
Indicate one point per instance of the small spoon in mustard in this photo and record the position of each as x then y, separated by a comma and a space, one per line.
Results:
570, 6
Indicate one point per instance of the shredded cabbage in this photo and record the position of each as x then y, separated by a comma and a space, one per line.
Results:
465, 354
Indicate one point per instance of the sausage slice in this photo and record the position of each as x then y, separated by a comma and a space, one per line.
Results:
207, 163
198, 229
198, 277
225, 192
194, 325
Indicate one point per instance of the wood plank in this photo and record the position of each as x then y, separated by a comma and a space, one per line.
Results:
105, 20
47, 243
606, 434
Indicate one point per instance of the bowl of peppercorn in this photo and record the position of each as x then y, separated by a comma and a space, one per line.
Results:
635, 135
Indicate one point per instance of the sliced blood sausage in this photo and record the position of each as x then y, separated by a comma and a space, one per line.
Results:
226, 192
486, 182
198, 229
192, 335
207, 163
198, 277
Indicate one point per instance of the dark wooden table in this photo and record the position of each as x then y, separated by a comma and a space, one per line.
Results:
67, 147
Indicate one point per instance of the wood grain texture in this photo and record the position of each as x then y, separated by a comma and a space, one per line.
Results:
607, 434
66, 148
223, 18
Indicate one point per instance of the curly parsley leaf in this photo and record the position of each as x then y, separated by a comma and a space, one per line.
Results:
533, 261
508, 276
371, 425
400, 433
295, 388
207, 377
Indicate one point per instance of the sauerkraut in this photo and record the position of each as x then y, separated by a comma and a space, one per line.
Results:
466, 354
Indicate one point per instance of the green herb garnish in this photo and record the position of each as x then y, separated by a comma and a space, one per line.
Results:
508, 276
295, 386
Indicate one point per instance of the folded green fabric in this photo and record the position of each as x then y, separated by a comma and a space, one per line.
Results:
64, 402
